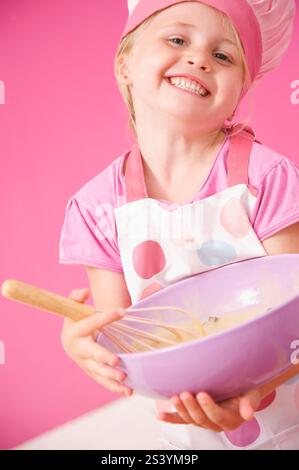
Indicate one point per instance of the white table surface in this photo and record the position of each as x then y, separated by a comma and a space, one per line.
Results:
125, 424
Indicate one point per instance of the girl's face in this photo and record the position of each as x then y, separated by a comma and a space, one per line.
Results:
200, 48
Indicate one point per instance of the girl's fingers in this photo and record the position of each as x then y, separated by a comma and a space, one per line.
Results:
90, 368
112, 385
78, 338
88, 325
196, 413
249, 403
181, 408
223, 418
80, 295
105, 371
89, 349
231, 404
173, 418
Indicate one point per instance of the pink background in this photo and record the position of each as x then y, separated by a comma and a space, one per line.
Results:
62, 122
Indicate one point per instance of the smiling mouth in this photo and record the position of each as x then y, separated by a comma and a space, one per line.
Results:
187, 90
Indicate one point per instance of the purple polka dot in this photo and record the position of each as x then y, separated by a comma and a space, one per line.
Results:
216, 253
148, 259
245, 434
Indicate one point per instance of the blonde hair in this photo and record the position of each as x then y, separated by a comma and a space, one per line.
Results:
129, 41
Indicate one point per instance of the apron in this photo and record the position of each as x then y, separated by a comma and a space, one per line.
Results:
161, 244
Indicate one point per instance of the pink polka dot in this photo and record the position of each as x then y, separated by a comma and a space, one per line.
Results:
296, 396
234, 218
148, 259
151, 289
171, 207
267, 401
245, 434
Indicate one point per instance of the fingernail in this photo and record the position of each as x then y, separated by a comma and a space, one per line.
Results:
113, 362
204, 400
184, 396
79, 292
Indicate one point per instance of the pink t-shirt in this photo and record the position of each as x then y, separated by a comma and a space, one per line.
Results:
89, 234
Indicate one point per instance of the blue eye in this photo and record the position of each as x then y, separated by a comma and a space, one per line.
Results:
172, 40
180, 39
223, 55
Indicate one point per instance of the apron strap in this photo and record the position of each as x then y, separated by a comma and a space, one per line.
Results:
237, 165
238, 158
134, 177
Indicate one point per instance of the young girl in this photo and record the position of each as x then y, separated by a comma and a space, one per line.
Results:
194, 192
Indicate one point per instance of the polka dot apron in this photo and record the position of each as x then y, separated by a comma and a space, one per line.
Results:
162, 243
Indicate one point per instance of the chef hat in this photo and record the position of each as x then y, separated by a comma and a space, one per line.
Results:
264, 26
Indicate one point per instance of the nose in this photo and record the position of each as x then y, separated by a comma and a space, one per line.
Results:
199, 60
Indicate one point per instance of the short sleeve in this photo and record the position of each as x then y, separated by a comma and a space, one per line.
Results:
89, 236
277, 205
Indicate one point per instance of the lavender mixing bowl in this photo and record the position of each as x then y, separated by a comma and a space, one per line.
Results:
237, 359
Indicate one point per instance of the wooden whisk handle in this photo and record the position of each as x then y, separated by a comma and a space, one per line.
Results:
45, 300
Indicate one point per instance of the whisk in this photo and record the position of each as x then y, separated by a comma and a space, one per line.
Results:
131, 339
124, 333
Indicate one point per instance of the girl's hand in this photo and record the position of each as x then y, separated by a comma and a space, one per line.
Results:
201, 410
79, 342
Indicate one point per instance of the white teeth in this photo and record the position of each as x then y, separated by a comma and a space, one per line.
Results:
181, 82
